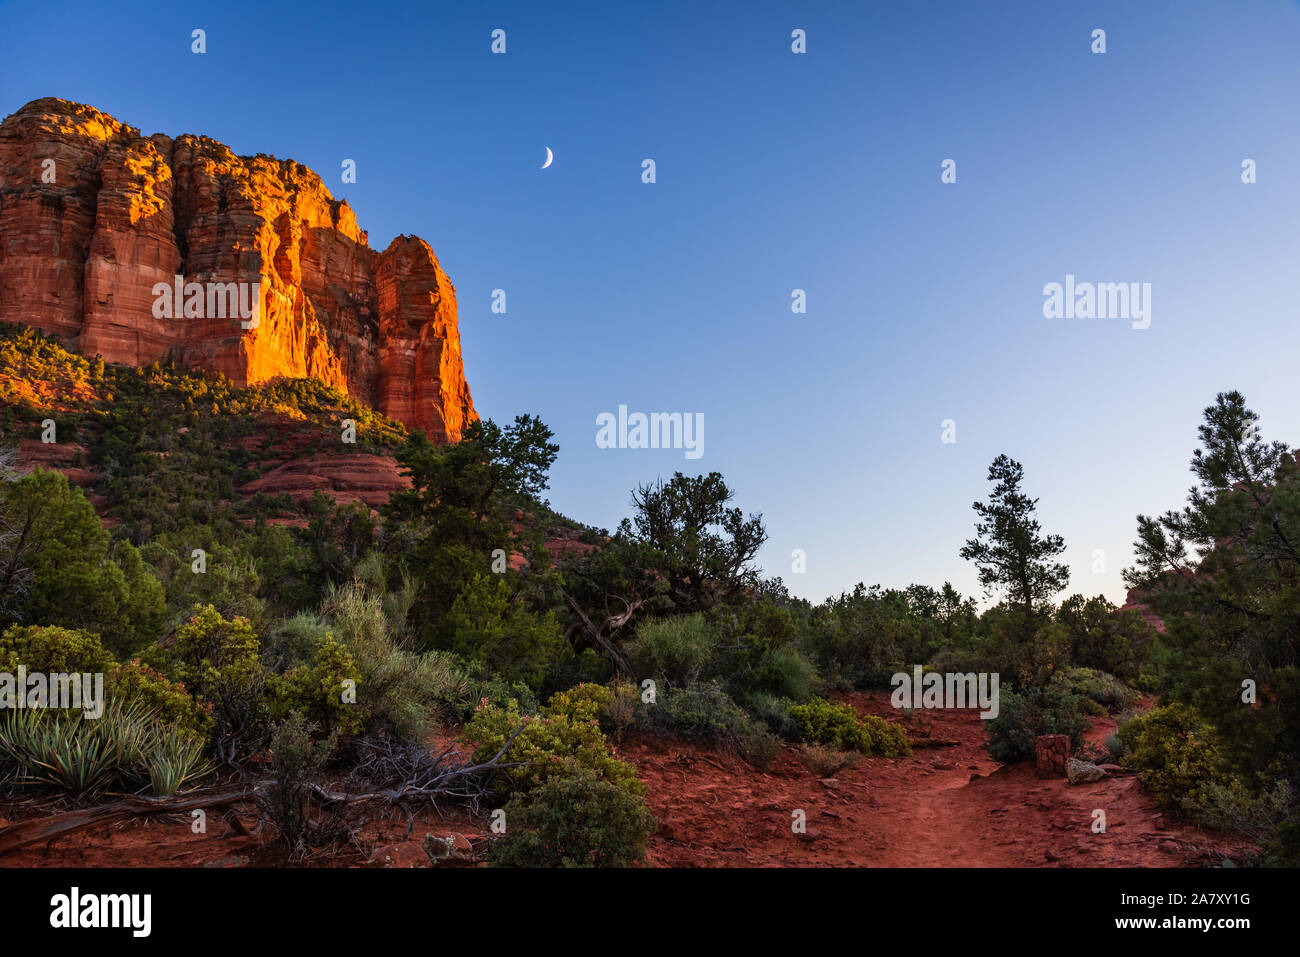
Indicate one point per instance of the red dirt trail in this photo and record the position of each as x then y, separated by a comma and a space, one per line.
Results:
945, 806
948, 806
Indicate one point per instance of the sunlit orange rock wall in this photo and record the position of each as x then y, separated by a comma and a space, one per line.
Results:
421, 378
85, 238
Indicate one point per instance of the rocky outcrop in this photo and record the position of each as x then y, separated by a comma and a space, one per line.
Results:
1133, 601
96, 219
65, 457
421, 378
357, 478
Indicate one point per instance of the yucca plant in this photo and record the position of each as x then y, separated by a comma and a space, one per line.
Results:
81, 755
131, 734
44, 747
19, 742
177, 759
73, 760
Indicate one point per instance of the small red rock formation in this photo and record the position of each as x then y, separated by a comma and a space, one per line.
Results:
1133, 601
65, 457
1052, 755
367, 479
93, 216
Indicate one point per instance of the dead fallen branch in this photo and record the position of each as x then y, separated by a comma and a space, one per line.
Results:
466, 783
35, 831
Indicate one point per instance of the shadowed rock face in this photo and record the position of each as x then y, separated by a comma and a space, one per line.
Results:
93, 216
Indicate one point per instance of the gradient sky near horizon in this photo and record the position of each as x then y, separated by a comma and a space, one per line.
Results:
778, 171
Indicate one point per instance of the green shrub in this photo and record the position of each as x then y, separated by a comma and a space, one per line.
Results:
838, 725
293, 641
622, 710
296, 758
1114, 748
402, 691
699, 713
707, 713
142, 608
757, 745
824, 723
783, 673
545, 748
578, 821
220, 660
1097, 687
489, 623
1114, 641
230, 583
614, 708
77, 581
676, 649
586, 666
495, 690
773, 712
584, 702
169, 701
53, 649
317, 690
1176, 751
1231, 806
1149, 680
1024, 652
860, 639
1023, 716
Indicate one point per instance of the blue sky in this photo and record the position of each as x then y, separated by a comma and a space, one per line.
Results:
778, 171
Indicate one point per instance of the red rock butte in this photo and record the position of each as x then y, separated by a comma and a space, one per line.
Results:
93, 215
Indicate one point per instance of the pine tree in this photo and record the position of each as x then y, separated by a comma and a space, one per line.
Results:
1012, 554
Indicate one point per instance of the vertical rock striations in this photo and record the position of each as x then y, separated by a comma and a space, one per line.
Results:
421, 378
93, 216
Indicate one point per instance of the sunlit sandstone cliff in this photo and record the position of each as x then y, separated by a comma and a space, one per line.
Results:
94, 216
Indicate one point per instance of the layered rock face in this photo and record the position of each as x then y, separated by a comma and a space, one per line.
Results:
94, 217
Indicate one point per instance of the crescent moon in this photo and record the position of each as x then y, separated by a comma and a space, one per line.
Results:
549, 156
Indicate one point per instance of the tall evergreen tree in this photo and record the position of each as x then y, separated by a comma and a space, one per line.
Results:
1224, 572
1009, 548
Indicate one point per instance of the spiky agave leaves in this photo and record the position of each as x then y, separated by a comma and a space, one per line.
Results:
177, 760
125, 747
65, 752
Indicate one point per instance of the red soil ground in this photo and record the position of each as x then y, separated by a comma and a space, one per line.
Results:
943, 806
947, 806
